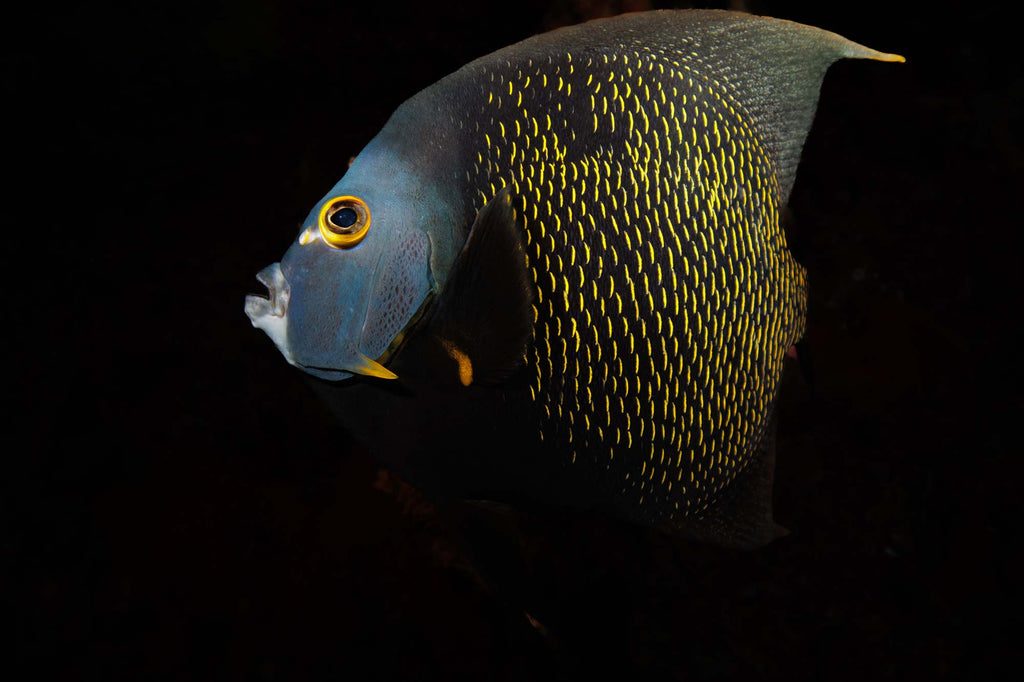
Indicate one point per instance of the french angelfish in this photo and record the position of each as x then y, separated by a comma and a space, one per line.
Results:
567, 257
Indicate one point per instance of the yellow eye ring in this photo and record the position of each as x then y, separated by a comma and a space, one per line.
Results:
344, 221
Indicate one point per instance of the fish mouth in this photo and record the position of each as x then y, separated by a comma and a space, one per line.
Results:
270, 313
278, 292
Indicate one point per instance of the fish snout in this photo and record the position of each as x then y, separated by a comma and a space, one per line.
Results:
270, 313
278, 290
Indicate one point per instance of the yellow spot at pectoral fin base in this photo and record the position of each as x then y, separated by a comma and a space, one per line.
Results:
371, 368
463, 361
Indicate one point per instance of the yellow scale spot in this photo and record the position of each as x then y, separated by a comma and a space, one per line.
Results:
702, 174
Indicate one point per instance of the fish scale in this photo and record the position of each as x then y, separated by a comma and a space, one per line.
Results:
674, 424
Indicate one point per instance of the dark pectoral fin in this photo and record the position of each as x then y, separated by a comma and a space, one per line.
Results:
484, 316
743, 517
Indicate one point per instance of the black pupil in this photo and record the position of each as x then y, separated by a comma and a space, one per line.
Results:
345, 217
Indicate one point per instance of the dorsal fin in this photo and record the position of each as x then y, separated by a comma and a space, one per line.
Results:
776, 68
771, 67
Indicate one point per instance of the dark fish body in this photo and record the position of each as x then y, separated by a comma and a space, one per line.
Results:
612, 333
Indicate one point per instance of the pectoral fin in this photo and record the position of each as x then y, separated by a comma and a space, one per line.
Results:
484, 315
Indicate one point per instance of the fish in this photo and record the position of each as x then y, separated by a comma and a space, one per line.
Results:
558, 276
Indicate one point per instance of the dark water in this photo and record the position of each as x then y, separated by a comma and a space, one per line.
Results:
180, 505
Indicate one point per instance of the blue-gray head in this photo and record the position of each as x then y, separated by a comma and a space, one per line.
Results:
366, 259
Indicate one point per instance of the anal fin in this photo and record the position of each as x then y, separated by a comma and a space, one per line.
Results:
742, 519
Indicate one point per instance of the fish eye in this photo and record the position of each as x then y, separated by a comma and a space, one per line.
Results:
344, 221
343, 217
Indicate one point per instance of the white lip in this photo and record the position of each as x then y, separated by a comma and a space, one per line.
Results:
271, 314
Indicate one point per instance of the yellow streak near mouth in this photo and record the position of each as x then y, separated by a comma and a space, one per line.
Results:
370, 368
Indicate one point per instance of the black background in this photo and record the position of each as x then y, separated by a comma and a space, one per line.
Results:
178, 505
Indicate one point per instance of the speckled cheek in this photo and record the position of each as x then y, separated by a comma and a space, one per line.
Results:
401, 284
